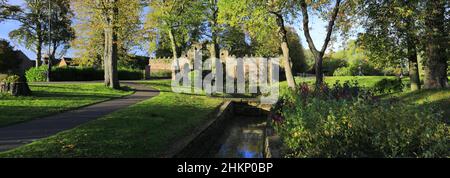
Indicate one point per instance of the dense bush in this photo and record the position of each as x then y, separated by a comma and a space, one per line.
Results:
312, 125
343, 71
78, 74
358, 67
130, 74
37, 74
388, 86
331, 65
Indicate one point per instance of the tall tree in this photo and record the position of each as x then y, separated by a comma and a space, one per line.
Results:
392, 33
176, 18
109, 11
296, 51
60, 32
89, 26
32, 31
213, 22
112, 24
436, 43
306, 6
262, 17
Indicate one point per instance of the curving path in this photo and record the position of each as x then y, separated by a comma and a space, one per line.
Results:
16, 135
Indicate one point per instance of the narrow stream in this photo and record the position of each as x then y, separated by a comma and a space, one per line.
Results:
241, 134
243, 138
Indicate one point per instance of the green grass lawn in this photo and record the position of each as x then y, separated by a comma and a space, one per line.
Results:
146, 129
425, 98
49, 99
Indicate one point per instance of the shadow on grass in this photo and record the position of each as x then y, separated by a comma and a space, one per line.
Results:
144, 130
17, 114
428, 99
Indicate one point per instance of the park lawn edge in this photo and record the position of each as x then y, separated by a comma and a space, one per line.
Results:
119, 133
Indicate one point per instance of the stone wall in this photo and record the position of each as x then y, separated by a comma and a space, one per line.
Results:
165, 64
161, 63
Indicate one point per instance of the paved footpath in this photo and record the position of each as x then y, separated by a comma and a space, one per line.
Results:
16, 135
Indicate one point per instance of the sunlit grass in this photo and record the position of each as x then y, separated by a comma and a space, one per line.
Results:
49, 99
146, 129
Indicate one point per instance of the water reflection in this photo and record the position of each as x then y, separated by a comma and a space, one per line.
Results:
243, 139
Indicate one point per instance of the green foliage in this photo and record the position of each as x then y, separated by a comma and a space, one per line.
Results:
358, 67
343, 71
33, 31
330, 65
79, 74
320, 127
388, 86
296, 51
37, 74
258, 21
11, 79
89, 44
352, 61
165, 19
233, 39
390, 26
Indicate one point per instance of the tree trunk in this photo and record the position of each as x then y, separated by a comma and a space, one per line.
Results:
436, 63
319, 69
114, 51
39, 52
318, 55
49, 68
413, 66
107, 56
215, 49
285, 49
174, 53
214, 31
110, 54
17, 88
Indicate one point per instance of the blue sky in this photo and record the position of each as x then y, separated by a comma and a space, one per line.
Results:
317, 32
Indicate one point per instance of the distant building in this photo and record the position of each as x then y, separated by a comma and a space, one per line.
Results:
66, 62
63, 62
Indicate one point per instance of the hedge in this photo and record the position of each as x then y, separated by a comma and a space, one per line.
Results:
79, 74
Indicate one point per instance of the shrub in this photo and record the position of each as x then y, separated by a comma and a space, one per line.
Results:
343, 71
358, 67
37, 74
312, 126
386, 86
331, 65
76, 74
161, 74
